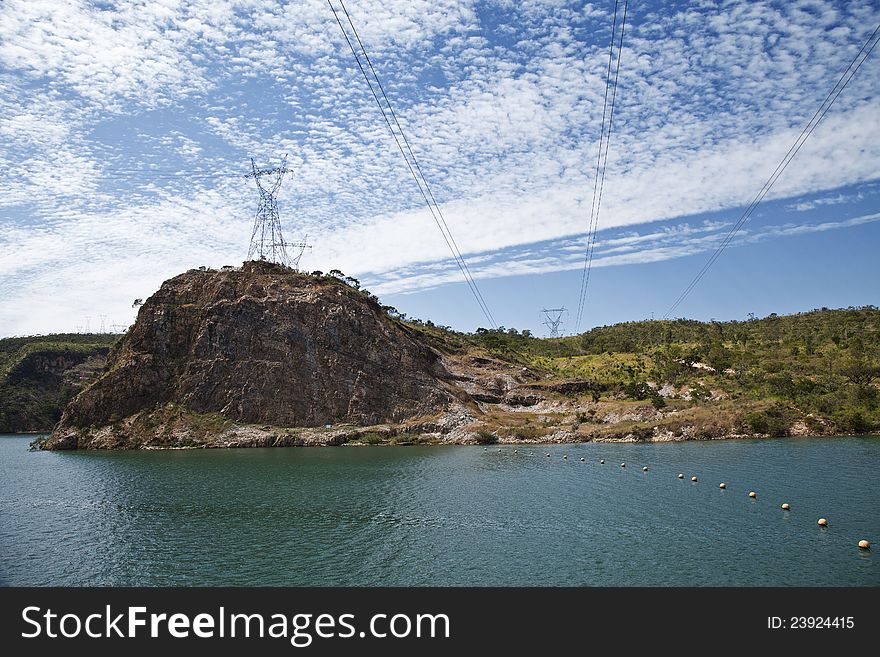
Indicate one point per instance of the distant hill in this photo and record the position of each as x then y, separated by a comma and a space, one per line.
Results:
39, 375
818, 368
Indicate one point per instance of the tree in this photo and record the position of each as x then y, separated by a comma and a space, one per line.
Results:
809, 345
860, 373
657, 401
719, 357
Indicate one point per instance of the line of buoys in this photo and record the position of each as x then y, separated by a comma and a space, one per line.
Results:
863, 544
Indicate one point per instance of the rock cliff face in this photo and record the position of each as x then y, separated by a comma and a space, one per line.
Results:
39, 379
256, 345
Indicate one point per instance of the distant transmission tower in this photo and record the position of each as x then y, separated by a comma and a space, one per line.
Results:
553, 320
267, 241
301, 246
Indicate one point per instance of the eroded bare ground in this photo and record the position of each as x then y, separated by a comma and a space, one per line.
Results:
504, 403
507, 404
514, 404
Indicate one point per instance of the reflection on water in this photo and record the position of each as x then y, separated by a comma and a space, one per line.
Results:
443, 515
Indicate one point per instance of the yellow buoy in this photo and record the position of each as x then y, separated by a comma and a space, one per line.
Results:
681, 476
822, 522
645, 469
753, 494
694, 478
722, 485
786, 506
864, 545
623, 465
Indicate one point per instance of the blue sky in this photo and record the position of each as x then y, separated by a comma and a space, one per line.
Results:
126, 129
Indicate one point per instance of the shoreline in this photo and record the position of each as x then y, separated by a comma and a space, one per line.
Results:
575, 440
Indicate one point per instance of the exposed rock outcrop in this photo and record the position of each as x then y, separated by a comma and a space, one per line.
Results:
257, 345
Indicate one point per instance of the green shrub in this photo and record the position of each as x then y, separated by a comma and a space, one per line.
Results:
486, 437
773, 422
853, 421
638, 390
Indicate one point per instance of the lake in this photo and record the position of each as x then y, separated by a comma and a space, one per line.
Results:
444, 515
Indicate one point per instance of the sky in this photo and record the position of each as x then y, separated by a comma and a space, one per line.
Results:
127, 128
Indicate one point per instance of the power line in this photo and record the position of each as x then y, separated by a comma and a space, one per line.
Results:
849, 72
411, 160
419, 168
601, 157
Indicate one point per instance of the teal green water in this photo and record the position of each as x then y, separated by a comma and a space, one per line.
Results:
443, 515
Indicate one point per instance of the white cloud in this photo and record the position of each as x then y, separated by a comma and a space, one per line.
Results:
107, 109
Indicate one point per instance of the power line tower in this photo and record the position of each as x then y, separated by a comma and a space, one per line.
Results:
553, 320
267, 242
301, 247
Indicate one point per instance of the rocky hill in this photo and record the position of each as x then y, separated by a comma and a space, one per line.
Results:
259, 345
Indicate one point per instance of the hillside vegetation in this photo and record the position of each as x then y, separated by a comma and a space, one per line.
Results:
39, 375
819, 368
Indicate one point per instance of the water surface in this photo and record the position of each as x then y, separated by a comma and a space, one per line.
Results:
455, 515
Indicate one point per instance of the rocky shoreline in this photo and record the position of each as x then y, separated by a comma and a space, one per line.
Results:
180, 430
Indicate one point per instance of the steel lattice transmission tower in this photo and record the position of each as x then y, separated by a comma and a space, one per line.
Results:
553, 320
267, 241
